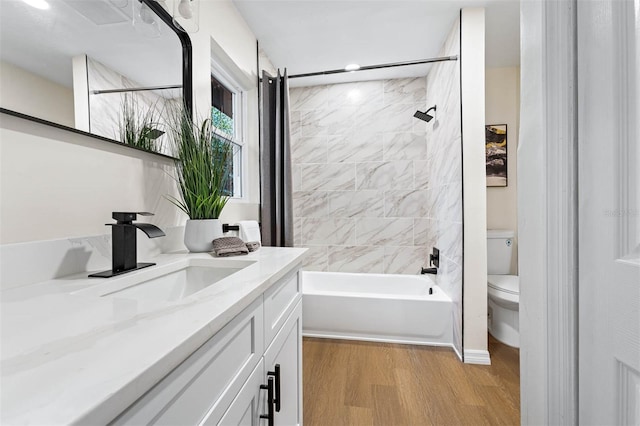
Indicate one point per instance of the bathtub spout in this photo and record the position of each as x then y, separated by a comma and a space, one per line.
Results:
433, 271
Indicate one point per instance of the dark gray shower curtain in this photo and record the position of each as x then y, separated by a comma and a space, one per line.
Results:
275, 163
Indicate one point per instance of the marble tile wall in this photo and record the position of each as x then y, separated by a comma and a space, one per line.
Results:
442, 173
360, 191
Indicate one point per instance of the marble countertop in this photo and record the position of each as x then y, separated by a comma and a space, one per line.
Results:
71, 356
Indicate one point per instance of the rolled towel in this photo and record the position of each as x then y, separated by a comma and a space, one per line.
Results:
249, 230
229, 246
253, 245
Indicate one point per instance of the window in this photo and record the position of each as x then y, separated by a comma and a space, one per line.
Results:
226, 117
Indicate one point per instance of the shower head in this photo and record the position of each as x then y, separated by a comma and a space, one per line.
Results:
424, 116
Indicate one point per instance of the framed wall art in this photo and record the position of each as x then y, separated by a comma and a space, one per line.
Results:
496, 154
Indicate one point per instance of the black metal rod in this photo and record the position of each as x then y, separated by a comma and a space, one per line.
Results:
136, 89
226, 227
270, 414
379, 66
276, 375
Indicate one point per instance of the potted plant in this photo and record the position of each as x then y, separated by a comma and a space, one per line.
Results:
203, 161
138, 127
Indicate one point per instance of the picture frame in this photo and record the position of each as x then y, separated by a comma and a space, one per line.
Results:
496, 154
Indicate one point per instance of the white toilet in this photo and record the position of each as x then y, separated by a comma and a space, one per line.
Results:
503, 289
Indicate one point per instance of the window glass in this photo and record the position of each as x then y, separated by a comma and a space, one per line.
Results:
225, 110
222, 100
230, 153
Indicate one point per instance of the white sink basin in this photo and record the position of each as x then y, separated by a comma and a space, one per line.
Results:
168, 283
175, 285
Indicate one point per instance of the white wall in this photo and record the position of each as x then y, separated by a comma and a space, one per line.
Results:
28, 93
265, 63
502, 106
221, 22
474, 186
57, 184
81, 106
532, 200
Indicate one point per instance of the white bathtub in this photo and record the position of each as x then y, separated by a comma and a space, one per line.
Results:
376, 307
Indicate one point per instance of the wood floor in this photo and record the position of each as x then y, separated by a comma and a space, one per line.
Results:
361, 383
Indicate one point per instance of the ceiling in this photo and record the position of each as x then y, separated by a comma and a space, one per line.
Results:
45, 41
300, 35
317, 35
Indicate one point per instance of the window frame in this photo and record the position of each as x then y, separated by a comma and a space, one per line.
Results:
239, 104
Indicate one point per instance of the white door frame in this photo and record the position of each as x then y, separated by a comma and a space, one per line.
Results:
547, 213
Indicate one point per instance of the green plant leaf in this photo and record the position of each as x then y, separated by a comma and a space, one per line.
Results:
202, 168
140, 126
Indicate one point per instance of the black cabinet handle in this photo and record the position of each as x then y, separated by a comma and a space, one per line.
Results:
276, 375
269, 388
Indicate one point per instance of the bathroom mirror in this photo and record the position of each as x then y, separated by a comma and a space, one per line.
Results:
95, 66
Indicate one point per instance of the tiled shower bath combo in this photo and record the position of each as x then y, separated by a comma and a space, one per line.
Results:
374, 189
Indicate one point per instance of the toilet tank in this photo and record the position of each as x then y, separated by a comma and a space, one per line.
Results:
499, 251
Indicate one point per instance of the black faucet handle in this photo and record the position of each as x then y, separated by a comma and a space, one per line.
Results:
434, 258
128, 217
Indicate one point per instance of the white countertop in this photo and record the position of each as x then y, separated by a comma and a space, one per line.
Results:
71, 356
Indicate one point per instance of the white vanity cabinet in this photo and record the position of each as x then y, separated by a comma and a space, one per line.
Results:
251, 403
225, 381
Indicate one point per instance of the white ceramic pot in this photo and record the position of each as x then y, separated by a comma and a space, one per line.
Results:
199, 234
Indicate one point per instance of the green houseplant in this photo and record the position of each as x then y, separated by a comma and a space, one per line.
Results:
139, 127
202, 165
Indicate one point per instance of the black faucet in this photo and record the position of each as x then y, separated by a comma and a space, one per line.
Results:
433, 271
124, 256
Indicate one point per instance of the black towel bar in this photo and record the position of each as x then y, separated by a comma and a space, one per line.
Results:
226, 227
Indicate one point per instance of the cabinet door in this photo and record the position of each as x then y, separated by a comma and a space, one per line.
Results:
208, 380
286, 350
248, 405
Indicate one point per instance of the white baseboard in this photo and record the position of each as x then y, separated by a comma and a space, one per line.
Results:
472, 356
458, 354
377, 339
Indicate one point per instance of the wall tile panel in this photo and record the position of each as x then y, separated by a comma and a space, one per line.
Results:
365, 259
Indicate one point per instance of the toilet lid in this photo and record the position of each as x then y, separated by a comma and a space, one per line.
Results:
506, 283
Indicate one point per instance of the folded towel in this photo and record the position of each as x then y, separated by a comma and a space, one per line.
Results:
229, 246
253, 245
